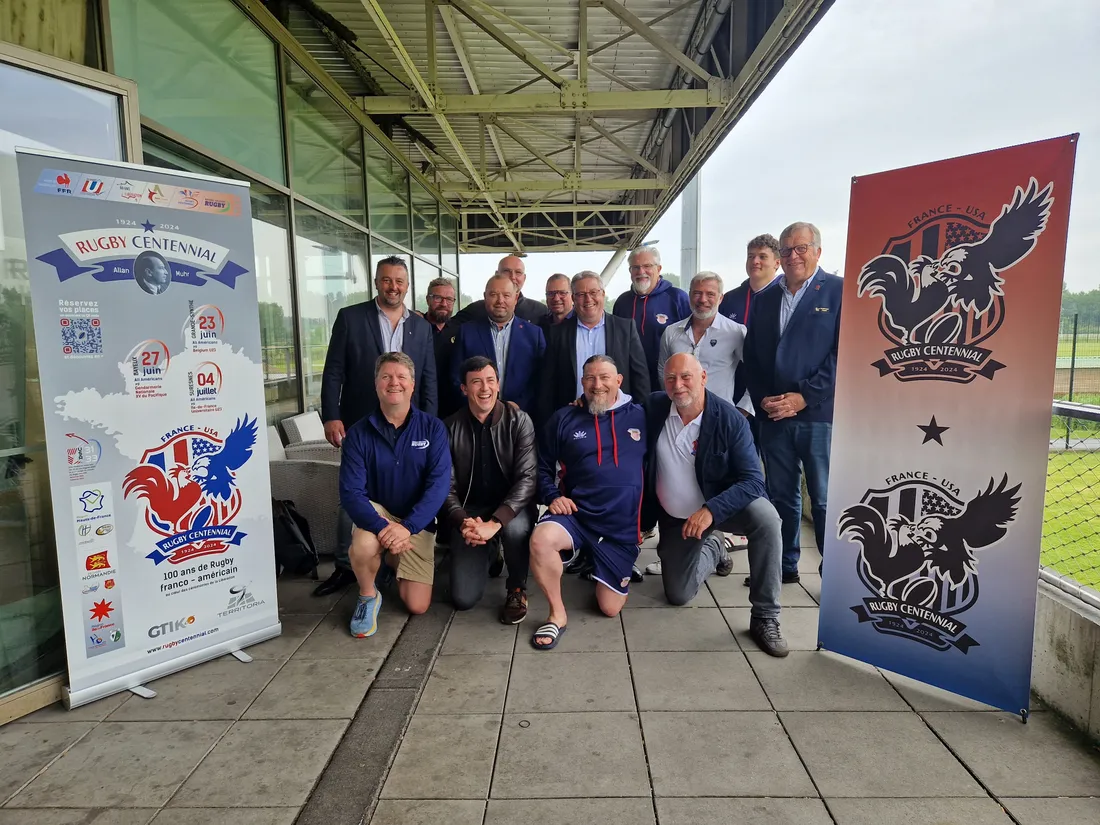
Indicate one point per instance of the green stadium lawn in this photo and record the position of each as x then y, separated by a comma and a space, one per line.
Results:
1071, 523
1086, 347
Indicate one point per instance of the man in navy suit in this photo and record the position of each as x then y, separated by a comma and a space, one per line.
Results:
515, 346
790, 366
360, 334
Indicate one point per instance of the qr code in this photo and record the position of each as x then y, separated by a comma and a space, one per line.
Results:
81, 336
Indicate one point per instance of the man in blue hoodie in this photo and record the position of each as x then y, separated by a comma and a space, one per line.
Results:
395, 473
595, 503
762, 267
653, 303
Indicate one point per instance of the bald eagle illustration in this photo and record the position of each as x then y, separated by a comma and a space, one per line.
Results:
923, 301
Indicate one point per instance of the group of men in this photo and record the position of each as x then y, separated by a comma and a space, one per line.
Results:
550, 405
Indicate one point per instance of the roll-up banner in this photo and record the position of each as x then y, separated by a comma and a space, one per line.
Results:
952, 296
143, 290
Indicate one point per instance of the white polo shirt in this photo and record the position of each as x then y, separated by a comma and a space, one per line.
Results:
719, 351
677, 488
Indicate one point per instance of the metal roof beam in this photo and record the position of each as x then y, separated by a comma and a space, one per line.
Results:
574, 208
654, 39
528, 146
630, 153
569, 101
505, 41
546, 41
570, 183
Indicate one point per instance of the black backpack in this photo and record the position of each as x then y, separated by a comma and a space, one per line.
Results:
294, 549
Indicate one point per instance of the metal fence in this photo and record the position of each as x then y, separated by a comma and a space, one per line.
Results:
1077, 377
1071, 519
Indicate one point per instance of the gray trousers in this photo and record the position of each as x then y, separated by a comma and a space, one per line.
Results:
687, 563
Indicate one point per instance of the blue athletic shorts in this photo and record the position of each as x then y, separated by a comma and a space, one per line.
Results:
613, 562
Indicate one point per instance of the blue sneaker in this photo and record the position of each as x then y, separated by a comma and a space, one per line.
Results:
364, 622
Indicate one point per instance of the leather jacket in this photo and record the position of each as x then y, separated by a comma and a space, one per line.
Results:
513, 435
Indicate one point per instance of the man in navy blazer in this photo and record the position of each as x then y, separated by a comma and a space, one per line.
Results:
790, 366
515, 346
360, 334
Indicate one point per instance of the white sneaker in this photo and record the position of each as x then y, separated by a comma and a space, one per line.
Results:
653, 569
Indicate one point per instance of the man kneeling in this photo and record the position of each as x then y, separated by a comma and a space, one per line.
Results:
601, 447
492, 496
395, 471
704, 476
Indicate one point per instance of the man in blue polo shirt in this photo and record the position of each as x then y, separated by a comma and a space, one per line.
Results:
395, 473
790, 367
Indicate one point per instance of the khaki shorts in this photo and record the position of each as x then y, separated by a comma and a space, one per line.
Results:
415, 565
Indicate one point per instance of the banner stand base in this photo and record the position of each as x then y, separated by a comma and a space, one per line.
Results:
75, 698
241, 656
143, 692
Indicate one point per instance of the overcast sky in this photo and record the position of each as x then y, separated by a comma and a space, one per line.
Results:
877, 85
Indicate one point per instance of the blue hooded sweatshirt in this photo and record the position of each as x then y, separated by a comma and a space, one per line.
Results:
737, 303
602, 466
410, 480
653, 313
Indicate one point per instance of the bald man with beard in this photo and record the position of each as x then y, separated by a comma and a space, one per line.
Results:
526, 308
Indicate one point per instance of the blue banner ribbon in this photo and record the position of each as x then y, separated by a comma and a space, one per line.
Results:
166, 548
122, 269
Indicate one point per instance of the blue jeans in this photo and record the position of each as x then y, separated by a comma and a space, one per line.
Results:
787, 447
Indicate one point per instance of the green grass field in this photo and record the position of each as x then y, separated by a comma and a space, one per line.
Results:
1071, 519
1086, 347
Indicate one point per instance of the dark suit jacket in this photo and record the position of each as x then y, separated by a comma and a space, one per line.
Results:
803, 358
558, 382
450, 399
526, 348
526, 308
347, 385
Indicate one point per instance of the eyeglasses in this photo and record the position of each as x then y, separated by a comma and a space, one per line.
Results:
557, 293
801, 249
646, 267
592, 295
439, 299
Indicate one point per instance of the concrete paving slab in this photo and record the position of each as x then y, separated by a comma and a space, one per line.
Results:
95, 711
77, 816
876, 755
651, 593
722, 754
810, 559
429, 812
226, 816
588, 633
410, 660
466, 684
332, 640
270, 763
627, 811
798, 625
316, 689
924, 697
570, 755
1060, 811
444, 757
219, 689
559, 681
296, 596
27, 747
145, 761
479, 631
754, 811
1045, 757
731, 592
811, 583
577, 593
817, 680
677, 630
919, 812
296, 627
696, 681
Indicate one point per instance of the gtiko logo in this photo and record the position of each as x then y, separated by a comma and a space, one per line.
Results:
170, 627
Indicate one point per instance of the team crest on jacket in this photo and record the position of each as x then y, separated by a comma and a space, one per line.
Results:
635, 433
917, 539
189, 487
940, 286
662, 318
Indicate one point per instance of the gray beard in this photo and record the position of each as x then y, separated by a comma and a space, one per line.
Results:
704, 316
599, 407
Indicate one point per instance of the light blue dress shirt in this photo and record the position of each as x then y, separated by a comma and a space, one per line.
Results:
589, 342
501, 337
790, 301
392, 337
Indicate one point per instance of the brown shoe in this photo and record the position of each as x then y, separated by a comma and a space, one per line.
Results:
515, 607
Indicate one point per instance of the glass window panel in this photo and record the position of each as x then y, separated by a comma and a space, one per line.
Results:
425, 222
380, 250
46, 113
271, 238
325, 147
332, 274
425, 274
448, 236
204, 70
388, 188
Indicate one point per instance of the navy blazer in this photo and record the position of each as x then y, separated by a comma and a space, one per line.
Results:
526, 348
803, 358
558, 385
347, 384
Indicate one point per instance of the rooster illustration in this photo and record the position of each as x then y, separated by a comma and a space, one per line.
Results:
890, 550
923, 301
200, 495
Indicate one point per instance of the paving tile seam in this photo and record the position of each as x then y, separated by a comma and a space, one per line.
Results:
641, 728
49, 764
500, 727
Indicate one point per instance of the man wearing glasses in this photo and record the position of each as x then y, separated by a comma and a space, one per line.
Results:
790, 366
441, 306
591, 331
559, 300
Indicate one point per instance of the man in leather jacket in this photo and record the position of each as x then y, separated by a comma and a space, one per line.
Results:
492, 497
